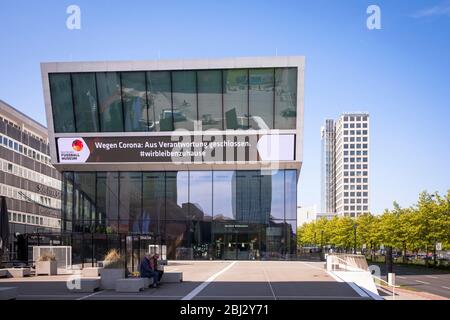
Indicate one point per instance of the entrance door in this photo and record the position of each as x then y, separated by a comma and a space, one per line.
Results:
237, 246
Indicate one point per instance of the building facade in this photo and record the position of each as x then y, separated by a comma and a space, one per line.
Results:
200, 156
350, 163
328, 173
31, 185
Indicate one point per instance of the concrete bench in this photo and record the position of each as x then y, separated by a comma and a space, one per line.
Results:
91, 272
8, 293
18, 272
172, 277
132, 284
3, 273
86, 285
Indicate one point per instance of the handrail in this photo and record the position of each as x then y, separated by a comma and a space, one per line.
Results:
356, 268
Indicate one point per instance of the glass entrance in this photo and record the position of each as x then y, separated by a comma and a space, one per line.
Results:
237, 242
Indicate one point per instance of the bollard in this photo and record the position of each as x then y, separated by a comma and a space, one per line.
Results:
391, 279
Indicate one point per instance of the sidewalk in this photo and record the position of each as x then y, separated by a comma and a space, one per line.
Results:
405, 294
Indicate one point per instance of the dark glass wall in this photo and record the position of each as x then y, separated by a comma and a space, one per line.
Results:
263, 98
196, 214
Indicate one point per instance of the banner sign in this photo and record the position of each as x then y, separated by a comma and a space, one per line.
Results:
178, 148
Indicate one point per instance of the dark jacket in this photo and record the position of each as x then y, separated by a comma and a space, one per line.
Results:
145, 268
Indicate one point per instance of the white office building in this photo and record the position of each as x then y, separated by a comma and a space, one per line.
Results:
348, 168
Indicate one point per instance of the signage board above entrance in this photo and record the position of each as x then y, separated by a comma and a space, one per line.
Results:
178, 148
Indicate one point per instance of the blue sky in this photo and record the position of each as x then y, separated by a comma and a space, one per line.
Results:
400, 74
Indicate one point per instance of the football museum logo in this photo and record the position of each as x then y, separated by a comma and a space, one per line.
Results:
178, 148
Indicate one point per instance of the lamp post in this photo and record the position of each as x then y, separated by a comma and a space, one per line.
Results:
354, 229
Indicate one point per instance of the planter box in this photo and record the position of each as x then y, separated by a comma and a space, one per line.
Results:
108, 278
47, 267
91, 272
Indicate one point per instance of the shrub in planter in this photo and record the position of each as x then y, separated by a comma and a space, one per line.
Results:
113, 269
46, 264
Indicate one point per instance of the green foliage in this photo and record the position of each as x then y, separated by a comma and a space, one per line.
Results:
413, 229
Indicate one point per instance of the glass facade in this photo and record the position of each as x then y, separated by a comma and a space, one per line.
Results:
196, 214
264, 98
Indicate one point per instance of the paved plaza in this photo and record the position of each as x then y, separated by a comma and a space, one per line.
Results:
209, 280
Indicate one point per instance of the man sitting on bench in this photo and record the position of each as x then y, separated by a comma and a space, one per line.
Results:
148, 269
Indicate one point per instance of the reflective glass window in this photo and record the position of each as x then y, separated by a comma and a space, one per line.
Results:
184, 89
261, 106
153, 213
235, 98
68, 195
200, 195
134, 101
130, 199
224, 199
253, 194
160, 100
210, 99
110, 101
177, 195
290, 194
285, 98
275, 182
84, 198
85, 102
108, 198
62, 104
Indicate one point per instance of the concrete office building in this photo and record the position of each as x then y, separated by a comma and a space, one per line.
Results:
200, 156
31, 185
345, 163
328, 167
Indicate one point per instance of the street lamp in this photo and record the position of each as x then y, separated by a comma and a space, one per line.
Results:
354, 228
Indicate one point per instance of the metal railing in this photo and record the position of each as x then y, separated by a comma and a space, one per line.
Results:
358, 263
346, 262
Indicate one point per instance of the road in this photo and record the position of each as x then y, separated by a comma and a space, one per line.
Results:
421, 279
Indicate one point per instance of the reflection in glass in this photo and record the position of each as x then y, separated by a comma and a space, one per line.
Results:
184, 99
62, 105
84, 184
290, 194
176, 208
277, 192
235, 98
261, 98
224, 199
85, 102
160, 100
291, 236
153, 202
177, 195
130, 199
285, 98
275, 240
253, 197
110, 101
68, 196
210, 98
108, 198
134, 101
200, 195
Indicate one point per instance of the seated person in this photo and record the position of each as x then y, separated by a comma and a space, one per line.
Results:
147, 269
154, 264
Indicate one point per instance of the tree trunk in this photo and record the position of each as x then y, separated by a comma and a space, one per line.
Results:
404, 251
426, 256
435, 255
389, 264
